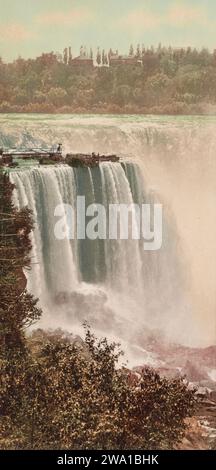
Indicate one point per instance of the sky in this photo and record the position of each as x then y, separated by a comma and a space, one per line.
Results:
30, 27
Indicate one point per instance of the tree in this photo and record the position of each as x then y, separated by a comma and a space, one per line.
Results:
27, 85
104, 58
131, 51
122, 94
74, 397
168, 66
98, 57
110, 53
57, 96
31, 83
18, 308
65, 56
138, 51
21, 97
157, 86
204, 57
69, 56
40, 97
159, 49
81, 51
47, 60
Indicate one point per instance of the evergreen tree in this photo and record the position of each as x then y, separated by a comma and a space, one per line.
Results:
81, 51
69, 56
98, 57
131, 51
65, 56
138, 51
104, 58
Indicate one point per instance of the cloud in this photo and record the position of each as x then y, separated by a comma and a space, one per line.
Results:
182, 14
177, 15
73, 17
15, 32
139, 18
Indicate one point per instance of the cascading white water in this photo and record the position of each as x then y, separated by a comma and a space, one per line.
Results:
102, 280
59, 265
115, 285
41, 190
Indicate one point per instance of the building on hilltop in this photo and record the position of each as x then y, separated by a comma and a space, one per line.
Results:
82, 61
116, 59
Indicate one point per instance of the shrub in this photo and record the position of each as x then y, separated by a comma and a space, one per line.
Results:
74, 397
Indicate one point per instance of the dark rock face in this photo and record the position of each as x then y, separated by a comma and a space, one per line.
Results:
21, 280
51, 159
87, 160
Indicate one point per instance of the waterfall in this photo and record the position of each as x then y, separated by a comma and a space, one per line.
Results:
111, 281
41, 190
114, 284
60, 265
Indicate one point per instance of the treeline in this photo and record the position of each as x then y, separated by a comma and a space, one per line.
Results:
168, 81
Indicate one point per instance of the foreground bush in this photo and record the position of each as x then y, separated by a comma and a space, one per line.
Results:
74, 397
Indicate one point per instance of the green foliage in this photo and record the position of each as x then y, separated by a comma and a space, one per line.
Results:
17, 308
57, 96
166, 78
75, 397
